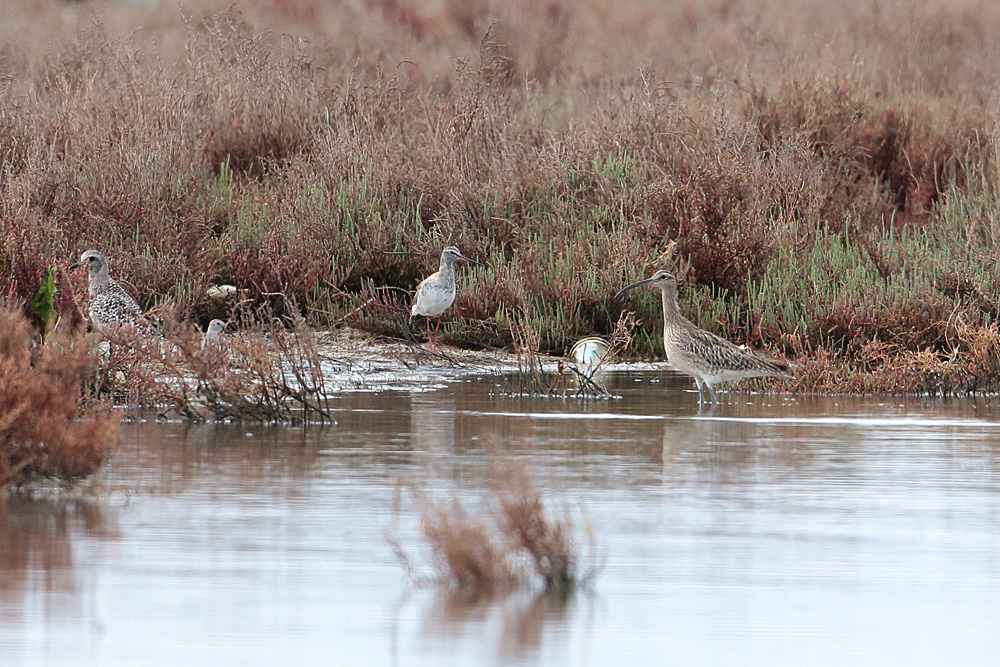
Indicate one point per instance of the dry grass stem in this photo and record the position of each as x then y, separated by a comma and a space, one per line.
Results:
566, 381
274, 375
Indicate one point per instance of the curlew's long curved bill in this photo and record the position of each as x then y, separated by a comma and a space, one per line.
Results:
647, 281
74, 266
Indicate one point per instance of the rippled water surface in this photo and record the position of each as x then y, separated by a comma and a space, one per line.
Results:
776, 530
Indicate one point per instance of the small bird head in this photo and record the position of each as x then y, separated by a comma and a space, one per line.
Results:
452, 254
94, 261
663, 280
213, 336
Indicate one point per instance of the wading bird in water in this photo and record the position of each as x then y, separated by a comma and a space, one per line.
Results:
437, 292
704, 356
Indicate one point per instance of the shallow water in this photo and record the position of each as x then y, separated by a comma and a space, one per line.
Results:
775, 530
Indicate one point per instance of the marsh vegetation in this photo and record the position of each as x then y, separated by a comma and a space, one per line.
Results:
47, 429
827, 174
514, 537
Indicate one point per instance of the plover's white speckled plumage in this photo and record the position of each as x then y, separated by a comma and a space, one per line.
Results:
437, 292
110, 305
701, 354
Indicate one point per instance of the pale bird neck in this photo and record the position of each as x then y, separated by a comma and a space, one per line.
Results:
98, 279
671, 309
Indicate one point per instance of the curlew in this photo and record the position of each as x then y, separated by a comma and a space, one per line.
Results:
704, 356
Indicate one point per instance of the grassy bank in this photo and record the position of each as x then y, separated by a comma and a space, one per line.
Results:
827, 174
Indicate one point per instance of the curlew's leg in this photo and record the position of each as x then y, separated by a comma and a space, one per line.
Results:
715, 401
701, 399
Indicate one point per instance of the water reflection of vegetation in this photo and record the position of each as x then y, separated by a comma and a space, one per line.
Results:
38, 534
523, 615
174, 456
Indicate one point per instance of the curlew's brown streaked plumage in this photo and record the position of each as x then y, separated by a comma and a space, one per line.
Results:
701, 354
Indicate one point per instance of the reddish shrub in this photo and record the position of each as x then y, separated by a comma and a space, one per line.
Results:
44, 433
907, 154
723, 247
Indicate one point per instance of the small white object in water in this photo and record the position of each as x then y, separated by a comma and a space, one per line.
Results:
589, 351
